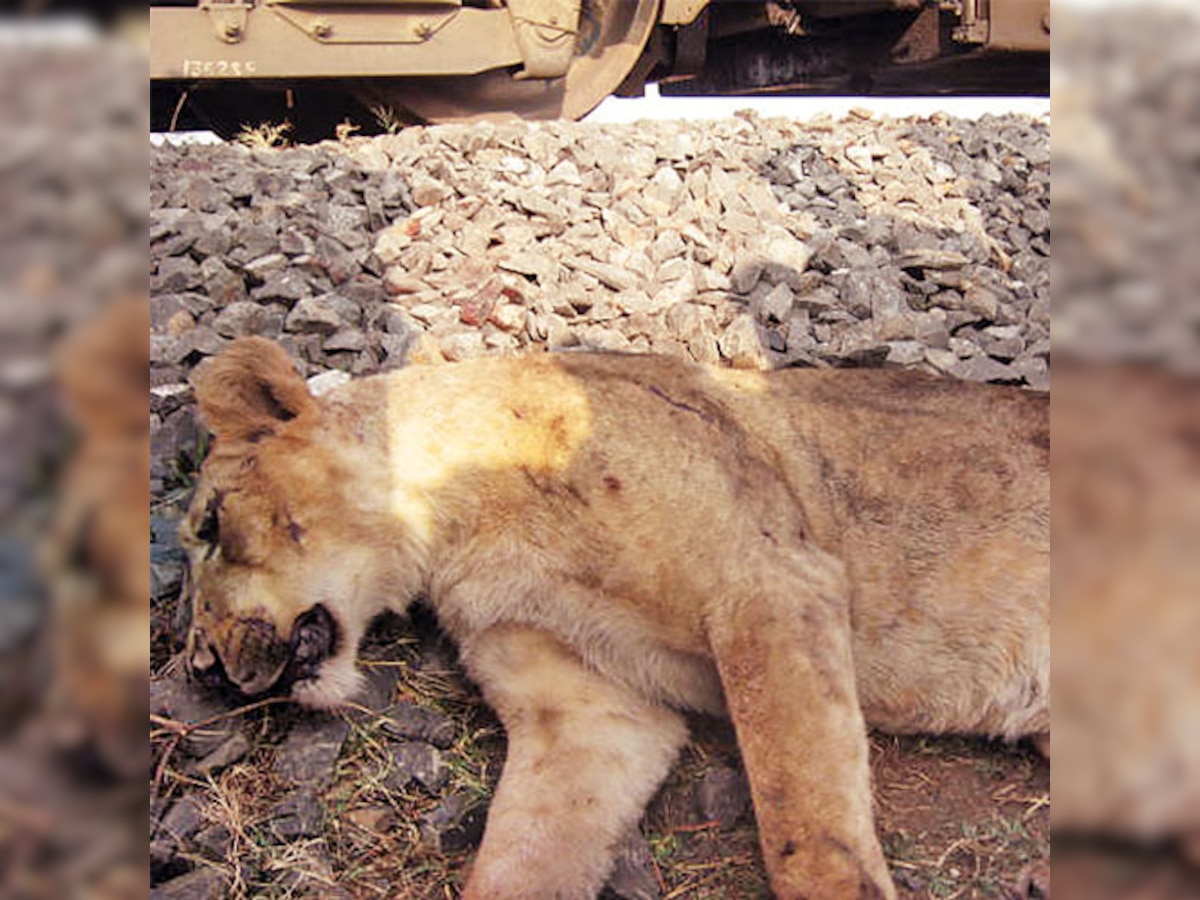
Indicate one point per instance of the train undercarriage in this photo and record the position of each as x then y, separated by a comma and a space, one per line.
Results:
226, 64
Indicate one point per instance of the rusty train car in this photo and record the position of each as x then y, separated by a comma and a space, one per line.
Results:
315, 63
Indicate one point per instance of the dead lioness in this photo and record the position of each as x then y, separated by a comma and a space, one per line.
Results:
610, 539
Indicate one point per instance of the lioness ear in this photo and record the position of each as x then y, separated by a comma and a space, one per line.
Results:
250, 389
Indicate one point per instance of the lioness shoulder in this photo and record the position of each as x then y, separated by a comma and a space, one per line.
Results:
612, 539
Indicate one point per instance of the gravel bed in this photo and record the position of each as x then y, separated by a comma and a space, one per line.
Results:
745, 242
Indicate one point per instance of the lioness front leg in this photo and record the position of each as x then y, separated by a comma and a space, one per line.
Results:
786, 666
585, 755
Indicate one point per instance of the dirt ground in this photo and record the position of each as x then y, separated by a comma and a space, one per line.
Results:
961, 818
958, 818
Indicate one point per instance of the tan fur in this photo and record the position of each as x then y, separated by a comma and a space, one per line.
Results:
1126, 618
95, 556
612, 538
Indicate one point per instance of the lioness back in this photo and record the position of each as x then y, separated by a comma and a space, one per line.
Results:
934, 493
611, 538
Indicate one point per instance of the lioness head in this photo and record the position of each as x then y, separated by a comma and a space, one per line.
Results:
283, 579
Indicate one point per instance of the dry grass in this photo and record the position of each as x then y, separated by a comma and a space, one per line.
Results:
708, 864
345, 130
388, 119
959, 818
372, 834
265, 135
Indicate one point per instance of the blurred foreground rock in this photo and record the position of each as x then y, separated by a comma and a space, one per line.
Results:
1125, 479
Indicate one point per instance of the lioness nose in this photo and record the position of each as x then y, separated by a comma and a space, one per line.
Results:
256, 656
205, 664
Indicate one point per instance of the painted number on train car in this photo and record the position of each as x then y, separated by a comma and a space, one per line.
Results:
218, 68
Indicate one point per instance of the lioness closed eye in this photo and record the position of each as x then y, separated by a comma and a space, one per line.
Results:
611, 539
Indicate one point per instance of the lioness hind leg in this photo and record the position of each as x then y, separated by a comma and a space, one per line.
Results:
788, 674
584, 757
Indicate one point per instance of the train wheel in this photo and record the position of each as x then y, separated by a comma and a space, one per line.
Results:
612, 35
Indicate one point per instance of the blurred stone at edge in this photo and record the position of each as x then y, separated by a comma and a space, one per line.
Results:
1126, 452
73, 237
